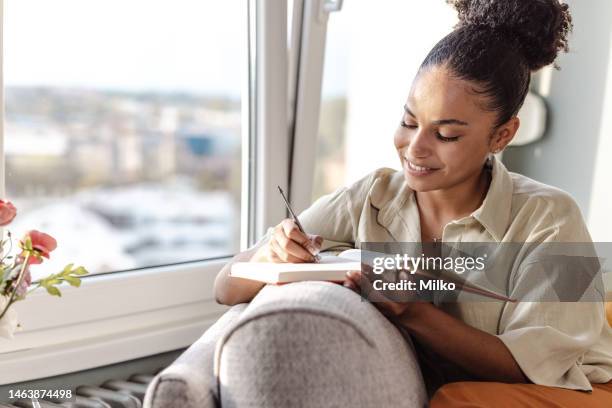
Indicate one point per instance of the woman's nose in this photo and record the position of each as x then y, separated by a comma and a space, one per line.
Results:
419, 145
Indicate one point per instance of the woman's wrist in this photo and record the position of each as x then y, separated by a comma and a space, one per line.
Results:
416, 314
260, 254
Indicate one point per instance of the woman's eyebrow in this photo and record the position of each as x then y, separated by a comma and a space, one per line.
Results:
441, 121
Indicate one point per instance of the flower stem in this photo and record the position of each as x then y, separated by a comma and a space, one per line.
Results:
19, 278
34, 288
7, 253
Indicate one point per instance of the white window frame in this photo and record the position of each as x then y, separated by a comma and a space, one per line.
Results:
127, 315
307, 98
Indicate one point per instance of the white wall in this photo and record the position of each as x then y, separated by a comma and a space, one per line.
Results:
600, 211
575, 154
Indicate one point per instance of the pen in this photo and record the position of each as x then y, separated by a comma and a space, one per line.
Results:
295, 218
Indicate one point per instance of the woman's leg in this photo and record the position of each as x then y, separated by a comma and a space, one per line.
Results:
490, 394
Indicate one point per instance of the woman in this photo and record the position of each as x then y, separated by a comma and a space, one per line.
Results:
462, 108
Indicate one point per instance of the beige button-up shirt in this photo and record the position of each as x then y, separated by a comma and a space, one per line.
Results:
562, 344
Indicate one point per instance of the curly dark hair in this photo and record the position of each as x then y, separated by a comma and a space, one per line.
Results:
498, 43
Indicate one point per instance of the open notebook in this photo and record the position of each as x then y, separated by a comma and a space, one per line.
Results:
329, 268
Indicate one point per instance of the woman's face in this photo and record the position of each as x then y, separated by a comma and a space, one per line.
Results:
445, 135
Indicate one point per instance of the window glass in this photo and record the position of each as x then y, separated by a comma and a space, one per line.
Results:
372, 54
122, 132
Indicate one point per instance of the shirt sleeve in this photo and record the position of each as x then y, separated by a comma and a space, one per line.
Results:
336, 216
549, 339
331, 218
560, 313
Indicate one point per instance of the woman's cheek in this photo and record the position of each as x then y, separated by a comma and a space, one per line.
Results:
402, 137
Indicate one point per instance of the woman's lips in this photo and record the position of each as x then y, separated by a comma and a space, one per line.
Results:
417, 170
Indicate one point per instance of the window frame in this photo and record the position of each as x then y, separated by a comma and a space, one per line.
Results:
310, 62
151, 311
121, 316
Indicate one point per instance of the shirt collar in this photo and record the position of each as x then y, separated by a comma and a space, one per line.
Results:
494, 212
398, 211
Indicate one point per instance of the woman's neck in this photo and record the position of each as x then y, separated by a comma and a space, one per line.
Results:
456, 202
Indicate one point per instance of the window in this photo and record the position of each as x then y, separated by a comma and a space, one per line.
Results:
122, 128
371, 57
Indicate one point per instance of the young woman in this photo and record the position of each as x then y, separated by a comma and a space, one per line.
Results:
462, 108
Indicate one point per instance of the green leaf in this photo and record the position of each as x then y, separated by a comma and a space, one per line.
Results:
53, 291
67, 269
80, 271
53, 281
73, 281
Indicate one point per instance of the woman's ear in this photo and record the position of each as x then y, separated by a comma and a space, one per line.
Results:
503, 134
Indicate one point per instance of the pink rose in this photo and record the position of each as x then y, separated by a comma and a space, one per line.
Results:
41, 243
7, 212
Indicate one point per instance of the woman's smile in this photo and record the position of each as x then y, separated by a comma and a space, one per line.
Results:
415, 169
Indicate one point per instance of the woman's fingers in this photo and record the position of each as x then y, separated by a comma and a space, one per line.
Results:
352, 280
367, 289
293, 233
281, 253
350, 285
353, 275
293, 249
289, 244
357, 280
272, 257
317, 241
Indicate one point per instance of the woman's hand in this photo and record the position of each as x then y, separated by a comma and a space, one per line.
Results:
433, 328
289, 244
394, 310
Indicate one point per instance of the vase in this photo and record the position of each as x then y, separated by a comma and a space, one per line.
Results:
8, 323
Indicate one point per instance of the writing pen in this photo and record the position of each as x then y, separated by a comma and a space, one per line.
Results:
295, 218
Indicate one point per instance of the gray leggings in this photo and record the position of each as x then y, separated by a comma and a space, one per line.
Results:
307, 344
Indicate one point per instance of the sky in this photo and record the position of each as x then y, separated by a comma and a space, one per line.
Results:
193, 45
185, 45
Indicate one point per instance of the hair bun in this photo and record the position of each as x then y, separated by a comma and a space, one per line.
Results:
539, 27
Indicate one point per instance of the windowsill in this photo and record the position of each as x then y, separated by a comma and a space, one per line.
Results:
109, 319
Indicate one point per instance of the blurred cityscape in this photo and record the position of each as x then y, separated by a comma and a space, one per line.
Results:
124, 180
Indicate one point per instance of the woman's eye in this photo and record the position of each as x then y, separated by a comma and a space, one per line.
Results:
404, 124
407, 125
446, 139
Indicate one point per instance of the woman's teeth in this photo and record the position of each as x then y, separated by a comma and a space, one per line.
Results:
417, 168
